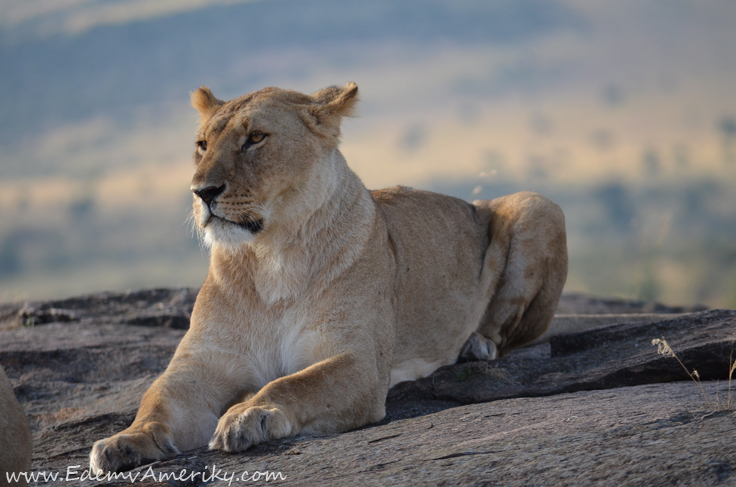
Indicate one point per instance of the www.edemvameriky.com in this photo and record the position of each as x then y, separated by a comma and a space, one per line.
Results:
75, 474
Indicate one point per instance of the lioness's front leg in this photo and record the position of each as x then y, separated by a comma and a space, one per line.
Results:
336, 394
178, 412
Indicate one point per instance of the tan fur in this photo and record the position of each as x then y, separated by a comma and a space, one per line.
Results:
320, 294
205, 102
15, 434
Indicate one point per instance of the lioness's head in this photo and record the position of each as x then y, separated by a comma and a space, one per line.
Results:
264, 159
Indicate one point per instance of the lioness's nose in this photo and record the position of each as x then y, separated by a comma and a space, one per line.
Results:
209, 193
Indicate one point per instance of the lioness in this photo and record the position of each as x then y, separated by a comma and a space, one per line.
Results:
321, 295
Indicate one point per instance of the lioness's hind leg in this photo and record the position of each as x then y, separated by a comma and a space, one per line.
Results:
529, 249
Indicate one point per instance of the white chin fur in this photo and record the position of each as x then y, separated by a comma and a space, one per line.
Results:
226, 236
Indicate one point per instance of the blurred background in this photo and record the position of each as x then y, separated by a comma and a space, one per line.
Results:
622, 111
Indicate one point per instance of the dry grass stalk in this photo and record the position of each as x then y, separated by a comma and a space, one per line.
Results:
732, 366
663, 348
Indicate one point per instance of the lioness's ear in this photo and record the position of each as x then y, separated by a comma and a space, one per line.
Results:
205, 103
336, 100
329, 106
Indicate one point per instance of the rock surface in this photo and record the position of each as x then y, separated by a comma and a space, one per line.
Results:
596, 407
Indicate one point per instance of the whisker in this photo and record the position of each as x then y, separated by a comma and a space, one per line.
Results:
194, 228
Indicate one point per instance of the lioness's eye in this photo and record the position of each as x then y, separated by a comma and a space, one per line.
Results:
253, 138
256, 137
202, 145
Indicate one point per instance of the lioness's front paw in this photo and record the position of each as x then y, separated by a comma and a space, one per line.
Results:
129, 450
242, 427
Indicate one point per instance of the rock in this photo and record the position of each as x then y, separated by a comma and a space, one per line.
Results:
152, 307
645, 435
578, 303
604, 358
15, 435
597, 407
